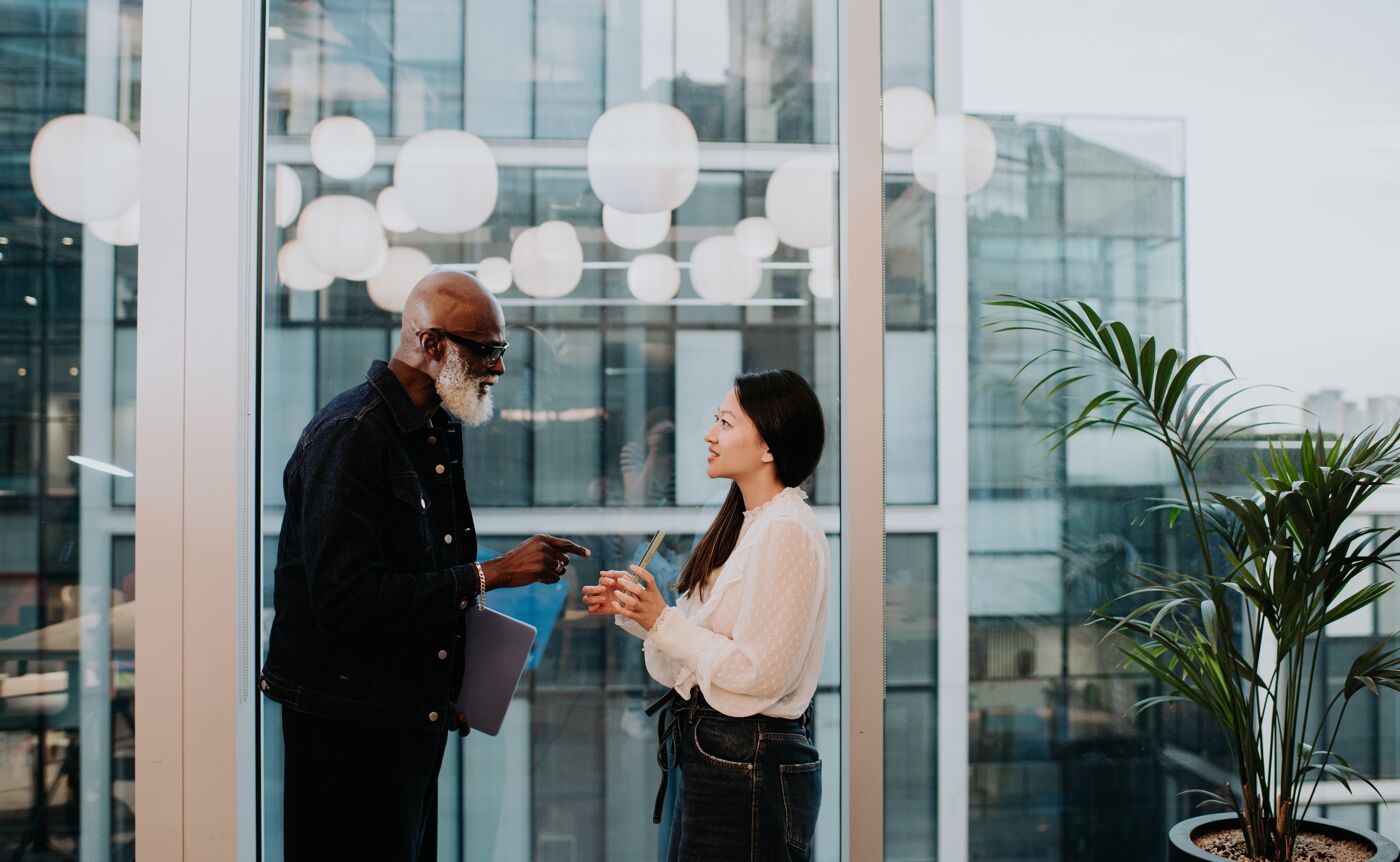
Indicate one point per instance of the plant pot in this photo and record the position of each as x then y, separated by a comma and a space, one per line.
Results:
1183, 849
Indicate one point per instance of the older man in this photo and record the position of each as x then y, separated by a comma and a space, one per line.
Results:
376, 567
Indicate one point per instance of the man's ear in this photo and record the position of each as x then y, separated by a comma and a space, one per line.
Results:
432, 345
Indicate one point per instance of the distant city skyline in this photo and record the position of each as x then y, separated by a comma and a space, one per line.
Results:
1292, 160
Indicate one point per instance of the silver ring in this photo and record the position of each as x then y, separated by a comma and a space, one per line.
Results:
560, 565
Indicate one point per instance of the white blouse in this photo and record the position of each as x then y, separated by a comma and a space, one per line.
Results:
754, 643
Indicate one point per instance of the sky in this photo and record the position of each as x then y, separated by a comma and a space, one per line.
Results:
1292, 159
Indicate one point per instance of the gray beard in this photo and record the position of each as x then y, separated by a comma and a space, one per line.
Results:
460, 391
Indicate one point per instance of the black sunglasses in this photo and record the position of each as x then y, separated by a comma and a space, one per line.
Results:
491, 353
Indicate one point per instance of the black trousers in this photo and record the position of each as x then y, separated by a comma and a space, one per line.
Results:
355, 792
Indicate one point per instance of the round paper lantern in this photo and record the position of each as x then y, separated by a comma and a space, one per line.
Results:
391, 212
295, 269
801, 201
342, 147
823, 259
954, 139
542, 275
494, 272
125, 230
720, 272
85, 168
342, 235
756, 237
821, 284
403, 267
906, 116
447, 180
653, 277
286, 195
643, 157
558, 240
635, 230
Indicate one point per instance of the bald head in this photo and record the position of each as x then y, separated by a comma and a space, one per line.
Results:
453, 301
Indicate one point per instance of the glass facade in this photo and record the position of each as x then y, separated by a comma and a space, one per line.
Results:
69, 117
1129, 158
600, 415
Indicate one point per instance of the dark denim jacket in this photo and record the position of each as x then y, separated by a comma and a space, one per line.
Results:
374, 564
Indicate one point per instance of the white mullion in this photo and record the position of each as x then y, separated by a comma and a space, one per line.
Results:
198, 280
953, 414
862, 297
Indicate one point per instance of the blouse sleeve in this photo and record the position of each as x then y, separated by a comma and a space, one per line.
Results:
783, 593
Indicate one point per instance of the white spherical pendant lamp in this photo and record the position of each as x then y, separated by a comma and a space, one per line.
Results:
85, 168
342, 147
756, 237
821, 284
720, 272
297, 272
801, 200
389, 205
545, 271
286, 195
494, 272
958, 157
635, 230
342, 235
906, 116
643, 157
403, 268
653, 277
123, 230
447, 181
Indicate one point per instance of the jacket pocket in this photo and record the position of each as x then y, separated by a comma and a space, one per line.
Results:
802, 799
409, 522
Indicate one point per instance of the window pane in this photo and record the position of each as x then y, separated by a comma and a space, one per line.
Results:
601, 414
67, 429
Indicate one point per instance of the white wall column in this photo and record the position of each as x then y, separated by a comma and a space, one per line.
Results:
196, 353
952, 314
862, 298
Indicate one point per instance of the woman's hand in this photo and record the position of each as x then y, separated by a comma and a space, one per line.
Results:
599, 598
642, 605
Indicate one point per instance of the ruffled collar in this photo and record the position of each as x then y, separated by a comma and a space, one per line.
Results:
794, 494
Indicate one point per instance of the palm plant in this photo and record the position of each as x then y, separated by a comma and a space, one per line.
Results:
1239, 635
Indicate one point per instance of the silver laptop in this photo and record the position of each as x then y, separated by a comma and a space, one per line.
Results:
497, 649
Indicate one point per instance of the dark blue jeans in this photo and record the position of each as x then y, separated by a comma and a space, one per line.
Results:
750, 788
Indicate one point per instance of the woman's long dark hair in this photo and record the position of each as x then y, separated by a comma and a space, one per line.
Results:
789, 418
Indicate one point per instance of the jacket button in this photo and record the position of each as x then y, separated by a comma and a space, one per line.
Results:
463, 605
442, 654
423, 502
432, 441
440, 469
447, 538
432, 716
265, 686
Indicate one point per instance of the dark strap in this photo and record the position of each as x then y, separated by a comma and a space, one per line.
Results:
667, 726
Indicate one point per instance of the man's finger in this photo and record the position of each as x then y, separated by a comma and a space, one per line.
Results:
566, 545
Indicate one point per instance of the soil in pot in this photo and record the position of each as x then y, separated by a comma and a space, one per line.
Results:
1311, 847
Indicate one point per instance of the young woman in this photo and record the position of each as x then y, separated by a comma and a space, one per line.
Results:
741, 649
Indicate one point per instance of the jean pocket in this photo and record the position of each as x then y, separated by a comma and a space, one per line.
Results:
802, 799
722, 744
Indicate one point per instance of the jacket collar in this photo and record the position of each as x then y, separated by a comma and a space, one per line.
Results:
406, 416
